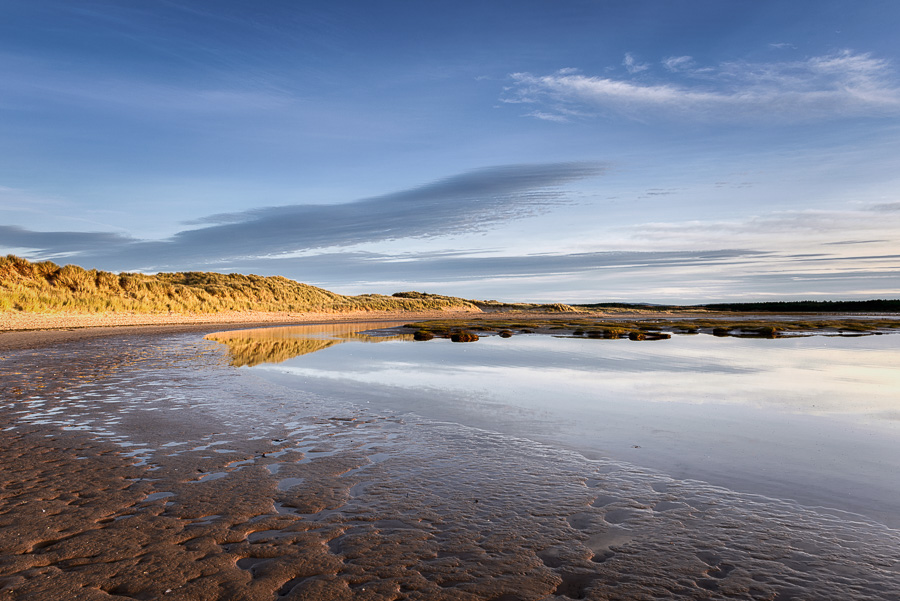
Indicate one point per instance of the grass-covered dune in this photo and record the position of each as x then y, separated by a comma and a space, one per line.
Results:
45, 287
493, 306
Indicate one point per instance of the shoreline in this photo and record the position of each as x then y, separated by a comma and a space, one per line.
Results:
21, 331
10, 322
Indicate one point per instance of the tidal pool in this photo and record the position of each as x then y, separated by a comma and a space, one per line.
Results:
814, 419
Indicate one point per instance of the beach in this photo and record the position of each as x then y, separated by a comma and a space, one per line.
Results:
46, 326
139, 464
460, 301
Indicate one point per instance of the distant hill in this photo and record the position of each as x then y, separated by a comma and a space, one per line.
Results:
45, 287
632, 306
492, 306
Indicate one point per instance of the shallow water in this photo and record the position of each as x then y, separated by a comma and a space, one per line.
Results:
471, 476
814, 419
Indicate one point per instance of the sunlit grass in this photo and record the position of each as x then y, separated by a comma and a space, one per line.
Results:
45, 287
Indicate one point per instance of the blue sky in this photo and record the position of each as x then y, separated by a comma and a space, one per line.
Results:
658, 151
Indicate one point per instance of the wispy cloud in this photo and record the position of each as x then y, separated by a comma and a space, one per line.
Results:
473, 201
678, 63
854, 242
779, 229
840, 85
59, 243
632, 65
450, 268
555, 117
649, 276
751, 260
886, 207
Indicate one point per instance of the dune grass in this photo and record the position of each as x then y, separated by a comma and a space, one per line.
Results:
45, 287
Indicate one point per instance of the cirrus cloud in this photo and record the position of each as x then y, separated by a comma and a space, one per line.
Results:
839, 85
472, 201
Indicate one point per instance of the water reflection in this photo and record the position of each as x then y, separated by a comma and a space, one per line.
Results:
813, 419
807, 375
275, 345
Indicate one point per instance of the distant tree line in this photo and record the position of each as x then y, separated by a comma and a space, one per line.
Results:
806, 306
809, 306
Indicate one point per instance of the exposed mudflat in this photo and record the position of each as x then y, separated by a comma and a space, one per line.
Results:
146, 467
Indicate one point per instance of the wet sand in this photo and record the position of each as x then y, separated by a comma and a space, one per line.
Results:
18, 321
29, 330
140, 465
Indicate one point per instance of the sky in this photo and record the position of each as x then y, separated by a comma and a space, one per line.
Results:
664, 151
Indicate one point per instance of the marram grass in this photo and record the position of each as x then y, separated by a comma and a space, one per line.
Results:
45, 287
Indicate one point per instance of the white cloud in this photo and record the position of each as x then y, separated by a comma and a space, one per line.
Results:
678, 63
631, 64
555, 117
886, 207
468, 202
794, 230
844, 84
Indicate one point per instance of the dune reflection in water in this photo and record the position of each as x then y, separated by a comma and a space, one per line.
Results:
813, 419
274, 345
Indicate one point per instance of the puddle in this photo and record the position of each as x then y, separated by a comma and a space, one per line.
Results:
289, 483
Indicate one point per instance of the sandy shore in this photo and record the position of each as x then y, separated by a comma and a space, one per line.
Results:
17, 321
14, 321
31, 330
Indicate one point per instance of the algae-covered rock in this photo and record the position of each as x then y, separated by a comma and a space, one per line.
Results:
463, 337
